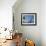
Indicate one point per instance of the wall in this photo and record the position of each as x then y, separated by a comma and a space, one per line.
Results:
6, 16
6, 13
29, 32
43, 22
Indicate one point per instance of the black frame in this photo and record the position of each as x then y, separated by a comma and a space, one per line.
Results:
34, 14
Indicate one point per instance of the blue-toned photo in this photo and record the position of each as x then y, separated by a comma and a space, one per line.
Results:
28, 19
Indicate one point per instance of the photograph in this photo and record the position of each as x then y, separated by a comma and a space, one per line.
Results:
28, 19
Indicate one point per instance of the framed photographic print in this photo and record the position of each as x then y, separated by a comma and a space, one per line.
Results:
29, 19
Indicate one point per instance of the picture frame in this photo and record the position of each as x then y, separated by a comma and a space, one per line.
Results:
29, 19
